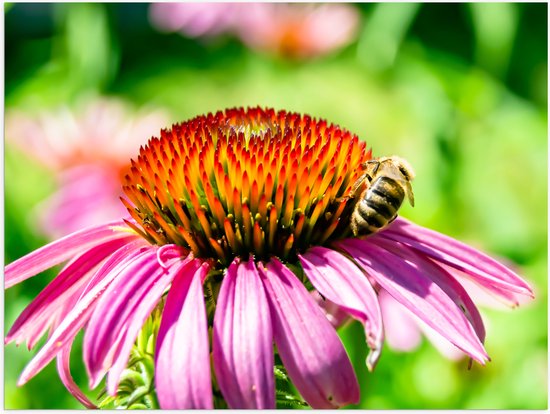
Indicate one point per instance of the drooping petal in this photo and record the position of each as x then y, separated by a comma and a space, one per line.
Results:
309, 347
138, 317
485, 298
336, 315
116, 262
404, 331
117, 304
182, 357
80, 313
52, 322
64, 370
443, 279
65, 284
341, 281
33, 336
242, 339
409, 285
480, 267
63, 249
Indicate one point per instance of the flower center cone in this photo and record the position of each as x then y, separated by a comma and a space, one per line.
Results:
244, 182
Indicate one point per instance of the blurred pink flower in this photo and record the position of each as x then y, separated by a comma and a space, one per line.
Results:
86, 149
297, 30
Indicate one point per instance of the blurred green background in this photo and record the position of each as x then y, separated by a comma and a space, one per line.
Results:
460, 90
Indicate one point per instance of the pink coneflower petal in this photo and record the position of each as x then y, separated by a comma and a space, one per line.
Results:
242, 339
404, 331
480, 267
408, 283
336, 315
443, 279
62, 250
182, 357
154, 292
113, 310
341, 281
55, 310
38, 329
71, 279
79, 314
64, 370
302, 333
485, 298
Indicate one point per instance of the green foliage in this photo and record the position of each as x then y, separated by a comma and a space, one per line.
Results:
285, 394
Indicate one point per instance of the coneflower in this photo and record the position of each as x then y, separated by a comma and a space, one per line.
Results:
85, 148
248, 209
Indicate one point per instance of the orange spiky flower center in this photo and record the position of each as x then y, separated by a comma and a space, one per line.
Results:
244, 182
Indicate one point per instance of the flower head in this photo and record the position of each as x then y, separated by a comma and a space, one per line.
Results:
245, 183
235, 217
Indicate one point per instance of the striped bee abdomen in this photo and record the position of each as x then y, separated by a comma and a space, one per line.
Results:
377, 206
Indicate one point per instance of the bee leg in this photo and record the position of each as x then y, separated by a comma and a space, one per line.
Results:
355, 189
357, 185
343, 198
376, 166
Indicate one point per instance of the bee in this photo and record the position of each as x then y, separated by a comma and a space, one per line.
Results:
380, 192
